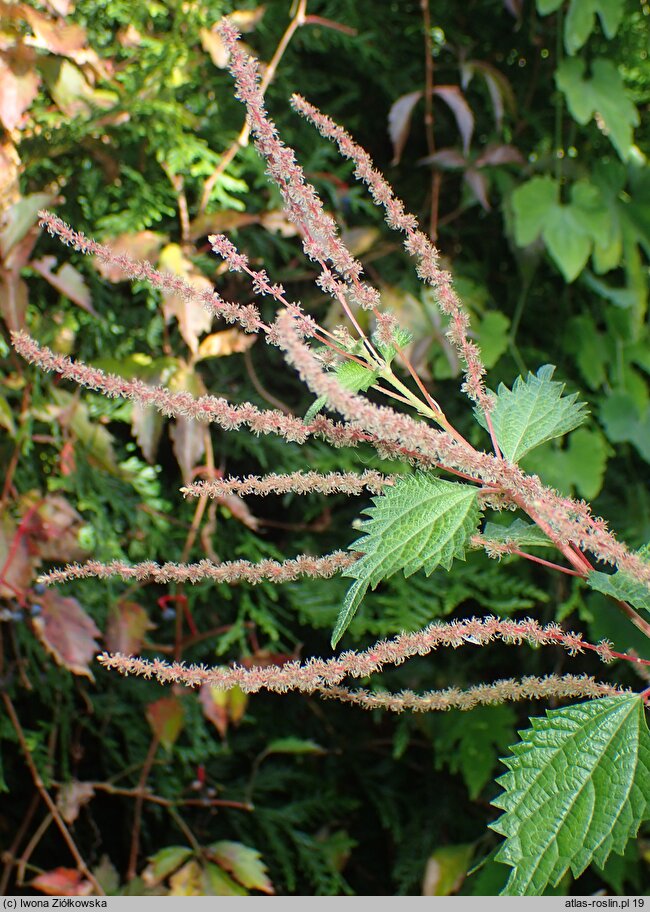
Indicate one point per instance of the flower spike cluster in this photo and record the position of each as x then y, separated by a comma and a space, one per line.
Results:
428, 442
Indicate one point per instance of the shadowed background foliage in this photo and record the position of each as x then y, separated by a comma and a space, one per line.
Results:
532, 175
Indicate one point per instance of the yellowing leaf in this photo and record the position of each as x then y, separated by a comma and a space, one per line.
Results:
128, 624
97, 441
276, 222
143, 245
13, 300
20, 218
166, 719
6, 417
244, 863
247, 19
223, 706
225, 342
446, 869
187, 881
71, 91
163, 863
212, 44
193, 319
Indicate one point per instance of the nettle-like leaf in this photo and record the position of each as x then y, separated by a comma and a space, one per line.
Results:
352, 376
420, 523
562, 814
533, 412
519, 532
621, 586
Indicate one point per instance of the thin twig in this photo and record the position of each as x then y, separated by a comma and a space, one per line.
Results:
9, 856
51, 806
137, 814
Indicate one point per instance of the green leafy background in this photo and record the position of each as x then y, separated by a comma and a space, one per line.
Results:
543, 218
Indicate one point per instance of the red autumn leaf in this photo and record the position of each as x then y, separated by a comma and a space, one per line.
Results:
62, 882
67, 632
192, 321
13, 300
19, 83
143, 245
9, 171
127, 626
16, 563
214, 703
455, 100
166, 718
499, 155
188, 437
399, 122
55, 535
240, 510
67, 280
53, 36
188, 443
478, 184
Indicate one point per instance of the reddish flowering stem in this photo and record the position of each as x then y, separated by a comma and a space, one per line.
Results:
545, 563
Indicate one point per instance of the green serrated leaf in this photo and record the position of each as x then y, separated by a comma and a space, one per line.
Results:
244, 863
352, 376
621, 586
521, 532
562, 814
532, 412
603, 96
315, 408
420, 523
